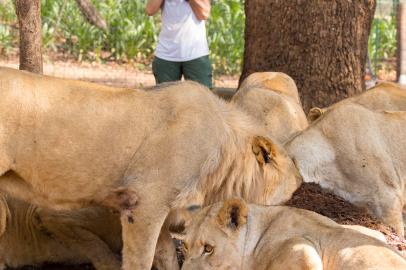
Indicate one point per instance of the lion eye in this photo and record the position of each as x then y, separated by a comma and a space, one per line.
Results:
208, 249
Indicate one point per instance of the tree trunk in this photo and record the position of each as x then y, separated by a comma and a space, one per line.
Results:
321, 44
29, 20
91, 14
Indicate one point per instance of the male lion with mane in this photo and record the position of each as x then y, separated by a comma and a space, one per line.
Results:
143, 153
237, 236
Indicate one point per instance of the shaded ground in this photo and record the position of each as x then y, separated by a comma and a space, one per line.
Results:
57, 267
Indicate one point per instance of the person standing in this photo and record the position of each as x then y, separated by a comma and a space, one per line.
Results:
182, 46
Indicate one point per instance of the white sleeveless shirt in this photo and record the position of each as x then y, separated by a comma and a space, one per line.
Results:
183, 36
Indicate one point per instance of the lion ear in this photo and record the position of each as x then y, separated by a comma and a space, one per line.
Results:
4, 214
264, 150
314, 114
233, 214
178, 220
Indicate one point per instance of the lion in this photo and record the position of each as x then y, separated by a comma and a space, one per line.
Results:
359, 154
384, 96
30, 235
276, 81
236, 235
272, 98
75, 144
74, 237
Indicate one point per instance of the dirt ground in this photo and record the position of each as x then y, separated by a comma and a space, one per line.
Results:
114, 74
57, 267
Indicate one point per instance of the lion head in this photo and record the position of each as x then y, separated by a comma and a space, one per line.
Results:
207, 239
235, 235
272, 99
248, 164
276, 81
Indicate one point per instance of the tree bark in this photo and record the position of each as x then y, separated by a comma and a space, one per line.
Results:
91, 14
321, 44
29, 20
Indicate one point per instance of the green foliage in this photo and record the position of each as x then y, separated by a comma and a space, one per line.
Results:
131, 34
7, 28
6, 39
226, 35
382, 40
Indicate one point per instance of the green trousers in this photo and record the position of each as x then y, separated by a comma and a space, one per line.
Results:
198, 70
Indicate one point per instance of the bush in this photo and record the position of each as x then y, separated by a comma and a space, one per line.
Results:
131, 34
382, 40
226, 35
7, 28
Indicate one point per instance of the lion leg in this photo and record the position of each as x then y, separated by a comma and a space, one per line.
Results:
68, 231
141, 230
392, 215
297, 254
165, 253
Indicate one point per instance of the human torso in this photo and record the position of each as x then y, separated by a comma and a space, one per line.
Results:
183, 36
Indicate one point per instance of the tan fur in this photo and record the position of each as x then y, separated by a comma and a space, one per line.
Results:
375, 234
272, 99
314, 114
384, 96
275, 81
75, 144
33, 236
241, 212
359, 153
279, 238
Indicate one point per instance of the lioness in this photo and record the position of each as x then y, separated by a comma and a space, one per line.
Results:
75, 144
234, 235
384, 96
272, 98
32, 236
359, 154
276, 81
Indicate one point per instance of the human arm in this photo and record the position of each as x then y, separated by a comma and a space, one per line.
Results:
153, 6
201, 8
